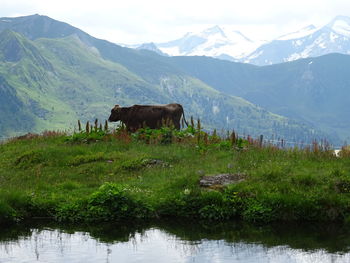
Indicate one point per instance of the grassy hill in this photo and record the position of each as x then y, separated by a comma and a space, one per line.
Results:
113, 176
58, 80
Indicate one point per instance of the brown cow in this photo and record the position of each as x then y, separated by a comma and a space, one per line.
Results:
152, 116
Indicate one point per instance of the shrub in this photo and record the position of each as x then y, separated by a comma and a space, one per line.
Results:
164, 135
71, 212
257, 212
87, 136
111, 202
82, 159
134, 164
217, 207
201, 205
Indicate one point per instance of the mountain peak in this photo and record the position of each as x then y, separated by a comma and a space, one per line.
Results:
38, 26
152, 47
340, 25
216, 41
309, 27
23, 18
212, 31
300, 33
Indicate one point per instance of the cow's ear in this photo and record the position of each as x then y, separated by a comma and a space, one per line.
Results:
116, 106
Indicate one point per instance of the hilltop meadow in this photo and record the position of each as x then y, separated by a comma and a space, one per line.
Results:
99, 174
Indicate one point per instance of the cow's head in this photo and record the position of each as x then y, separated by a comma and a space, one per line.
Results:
115, 113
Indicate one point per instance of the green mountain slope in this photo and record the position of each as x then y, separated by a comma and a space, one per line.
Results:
59, 80
146, 64
313, 90
21, 66
14, 116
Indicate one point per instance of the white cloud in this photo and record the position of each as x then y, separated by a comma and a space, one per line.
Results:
135, 21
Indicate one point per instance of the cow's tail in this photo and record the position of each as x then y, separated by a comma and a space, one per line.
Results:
183, 115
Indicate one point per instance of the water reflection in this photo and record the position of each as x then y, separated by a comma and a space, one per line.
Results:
175, 242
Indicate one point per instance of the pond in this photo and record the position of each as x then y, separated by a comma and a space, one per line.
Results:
175, 242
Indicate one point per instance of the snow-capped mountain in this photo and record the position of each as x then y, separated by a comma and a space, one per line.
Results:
219, 42
308, 42
298, 34
226, 43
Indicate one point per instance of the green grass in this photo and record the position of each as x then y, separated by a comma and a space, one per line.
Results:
115, 176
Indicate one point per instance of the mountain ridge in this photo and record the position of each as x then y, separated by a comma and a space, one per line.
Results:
310, 41
214, 41
311, 90
321, 41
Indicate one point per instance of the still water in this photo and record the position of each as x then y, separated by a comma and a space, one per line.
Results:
175, 242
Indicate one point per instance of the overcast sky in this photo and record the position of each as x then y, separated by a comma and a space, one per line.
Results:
138, 21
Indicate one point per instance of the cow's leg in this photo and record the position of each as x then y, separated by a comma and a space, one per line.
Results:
176, 123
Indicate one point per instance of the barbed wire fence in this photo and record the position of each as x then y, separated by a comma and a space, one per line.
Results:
282, 143
301, 144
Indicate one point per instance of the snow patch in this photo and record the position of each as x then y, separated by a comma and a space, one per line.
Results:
215, 110
297, 43
333, 37
320, 41
293, 56
300, 33
322, 45
341, 26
